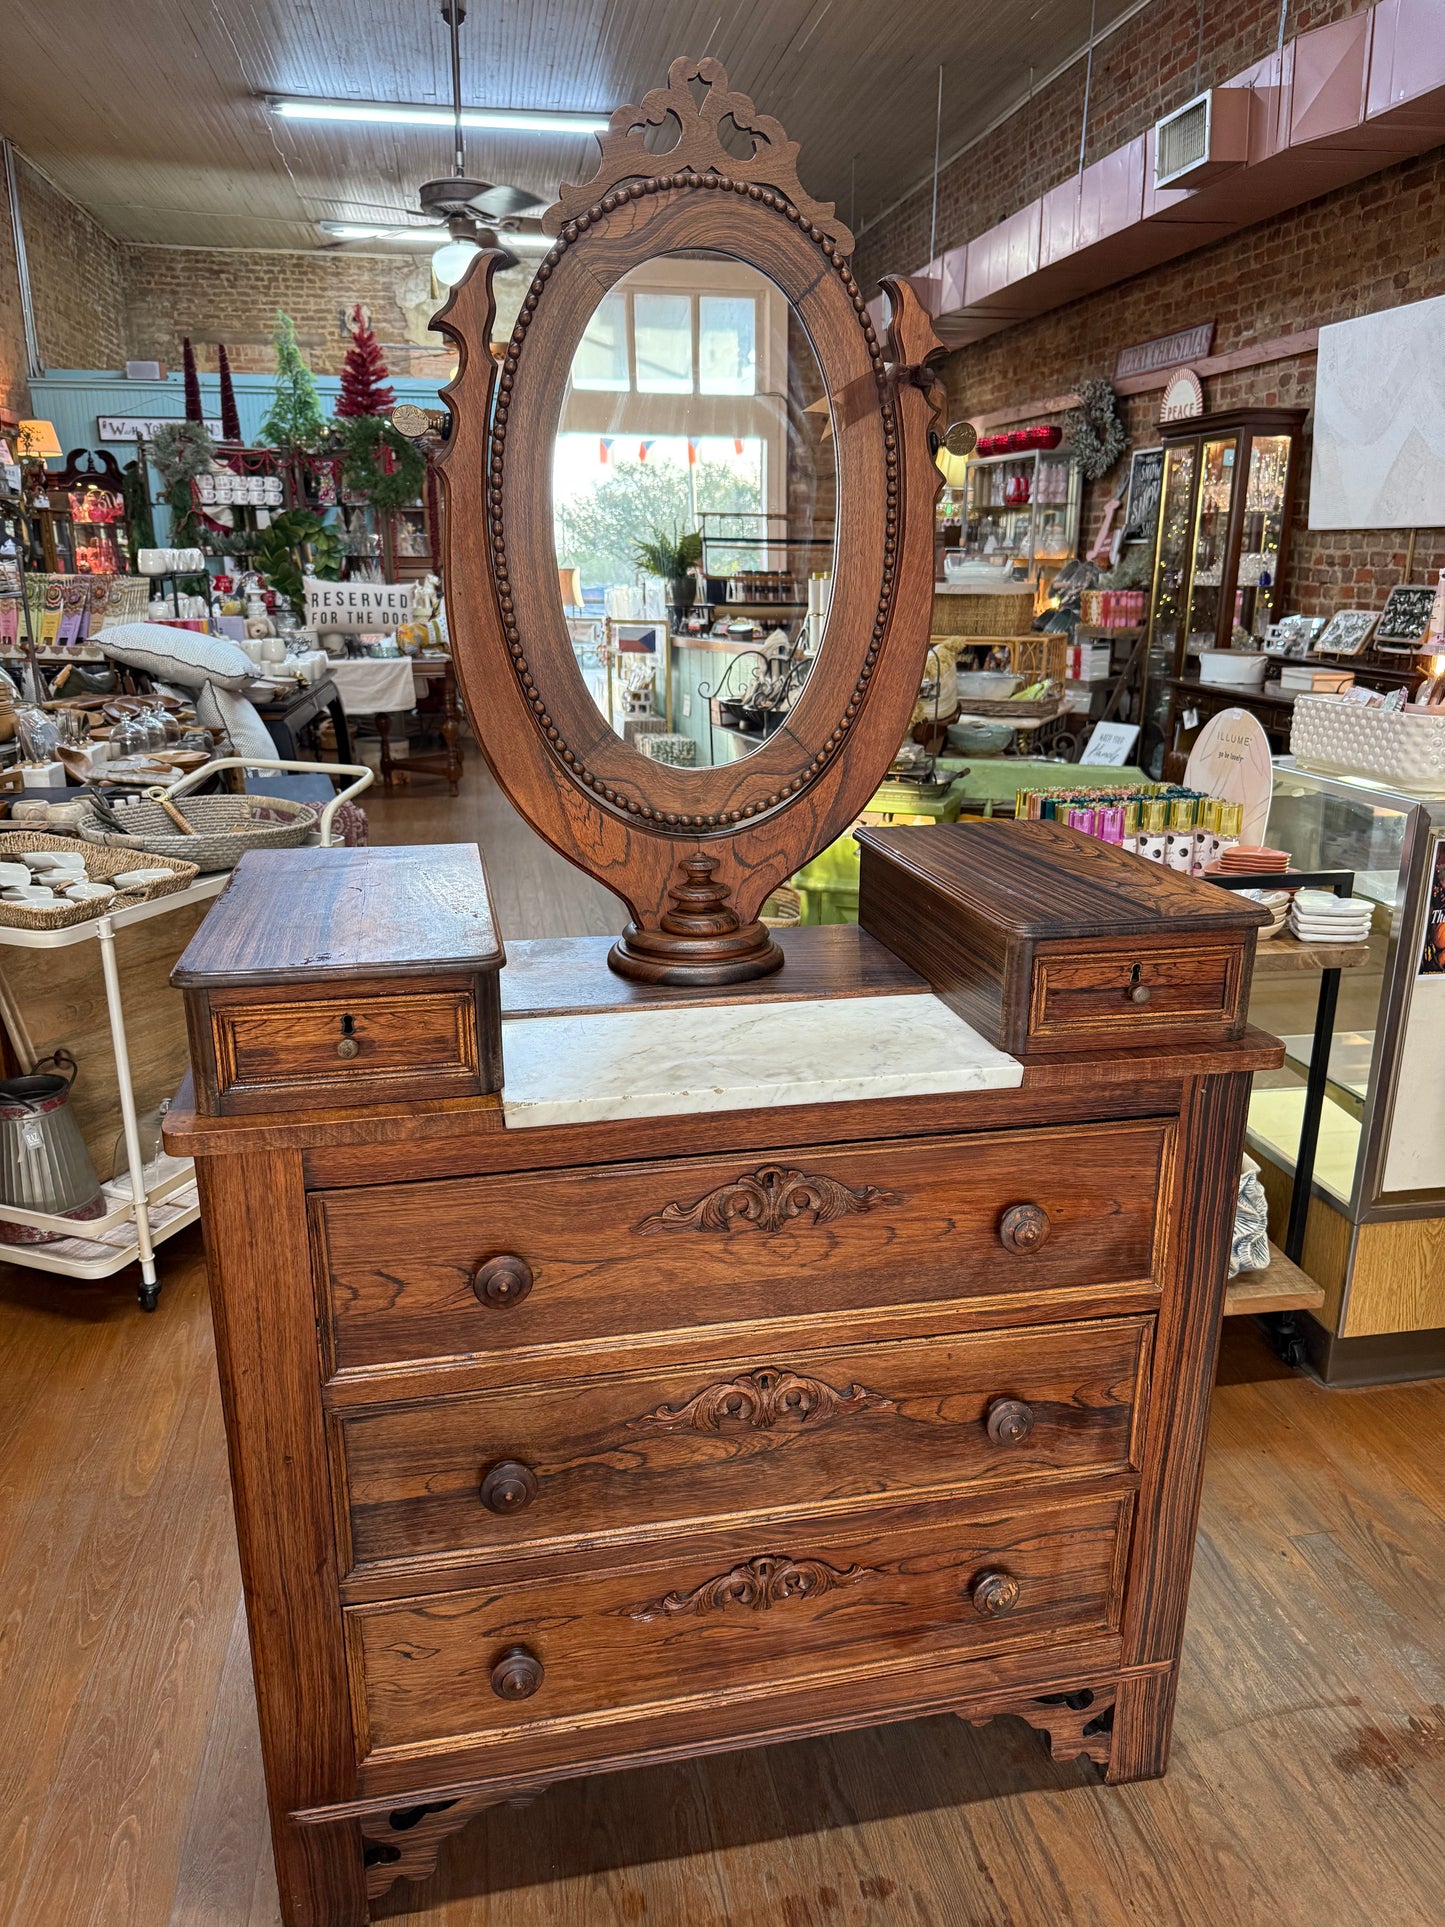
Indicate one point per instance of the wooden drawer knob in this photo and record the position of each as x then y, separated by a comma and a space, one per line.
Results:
1009, 1421
1023, 1227
517, 1674
994, 1594
510, 1485
501, 1282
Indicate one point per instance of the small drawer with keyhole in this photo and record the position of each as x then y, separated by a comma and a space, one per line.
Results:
1114, 992
351, 1047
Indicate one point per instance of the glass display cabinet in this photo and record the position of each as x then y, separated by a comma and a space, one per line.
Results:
1225, 506
1020, 515
1376, 1228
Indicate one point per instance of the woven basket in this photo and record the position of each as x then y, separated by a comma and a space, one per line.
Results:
1039, 710
987, 614
783, 908
102, 866
217, 846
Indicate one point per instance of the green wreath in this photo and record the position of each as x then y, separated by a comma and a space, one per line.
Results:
1094, 435
361, 440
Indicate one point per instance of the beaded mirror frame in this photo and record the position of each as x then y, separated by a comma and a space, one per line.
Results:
693, 853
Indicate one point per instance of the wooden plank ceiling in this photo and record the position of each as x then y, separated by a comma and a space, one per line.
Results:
150, 113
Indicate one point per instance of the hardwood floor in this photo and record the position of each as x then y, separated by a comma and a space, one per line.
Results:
1309, 1761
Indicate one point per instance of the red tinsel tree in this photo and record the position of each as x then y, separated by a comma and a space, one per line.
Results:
194, 412
363, 373
230, 419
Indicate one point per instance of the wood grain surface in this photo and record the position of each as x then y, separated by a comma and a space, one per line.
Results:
806, 1603
615, 1457
296, 915
923, 1225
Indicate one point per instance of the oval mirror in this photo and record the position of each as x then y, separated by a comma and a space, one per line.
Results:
694, 493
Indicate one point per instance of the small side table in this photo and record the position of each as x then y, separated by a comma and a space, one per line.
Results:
289, 715
446, 761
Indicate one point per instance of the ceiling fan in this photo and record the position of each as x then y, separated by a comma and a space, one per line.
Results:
472, 209
476, 214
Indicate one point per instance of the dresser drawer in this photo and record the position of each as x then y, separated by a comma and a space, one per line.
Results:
1110, 990
546, 1468
351, 1046
816, 1601
487, 1265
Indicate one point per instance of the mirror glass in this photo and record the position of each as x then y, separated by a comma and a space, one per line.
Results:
694, 490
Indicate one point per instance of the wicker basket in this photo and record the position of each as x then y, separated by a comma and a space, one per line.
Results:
783, 908
101, 866
219, 844
987, 614
1041, 709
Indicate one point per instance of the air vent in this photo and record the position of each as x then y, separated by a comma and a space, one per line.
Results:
1204, 139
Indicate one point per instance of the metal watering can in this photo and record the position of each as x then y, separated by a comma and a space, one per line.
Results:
44, 1165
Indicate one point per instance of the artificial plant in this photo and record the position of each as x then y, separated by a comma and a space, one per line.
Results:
191, 383
671, 555
297, 544
294, 419
364, 389
230, 415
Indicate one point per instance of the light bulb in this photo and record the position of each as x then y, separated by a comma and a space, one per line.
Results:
451, 261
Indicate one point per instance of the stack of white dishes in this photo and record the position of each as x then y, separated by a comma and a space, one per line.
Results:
1277, 904
1319, 916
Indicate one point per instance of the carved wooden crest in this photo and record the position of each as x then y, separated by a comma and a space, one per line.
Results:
770, 1580
693, 852
772, 1198
700, 124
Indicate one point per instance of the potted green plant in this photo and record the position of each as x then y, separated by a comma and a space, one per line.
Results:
672, 556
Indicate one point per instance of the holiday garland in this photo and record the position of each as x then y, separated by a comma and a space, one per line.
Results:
297, 544
1094, 434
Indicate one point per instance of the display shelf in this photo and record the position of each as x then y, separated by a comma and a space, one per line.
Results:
116, 1245
1281, 1286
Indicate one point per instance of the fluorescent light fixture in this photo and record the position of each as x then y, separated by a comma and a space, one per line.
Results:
499, 120
426, 237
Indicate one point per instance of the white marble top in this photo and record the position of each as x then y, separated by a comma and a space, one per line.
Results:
663, 1062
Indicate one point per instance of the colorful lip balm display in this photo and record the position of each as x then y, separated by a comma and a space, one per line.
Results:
1181, 828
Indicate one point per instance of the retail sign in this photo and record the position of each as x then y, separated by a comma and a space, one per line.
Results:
1183, 398
357, 605
125, 428
1165, 351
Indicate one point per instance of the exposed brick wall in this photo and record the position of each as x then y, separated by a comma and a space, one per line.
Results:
77, 278
1369, 246
215, 294
1153, 64
14, 392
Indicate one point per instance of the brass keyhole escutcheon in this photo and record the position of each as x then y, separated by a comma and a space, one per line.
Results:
1137, 993
348, 1046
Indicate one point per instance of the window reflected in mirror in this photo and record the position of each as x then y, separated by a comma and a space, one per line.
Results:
694, 498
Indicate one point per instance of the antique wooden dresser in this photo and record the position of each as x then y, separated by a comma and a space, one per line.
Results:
772, 1352
565, 1437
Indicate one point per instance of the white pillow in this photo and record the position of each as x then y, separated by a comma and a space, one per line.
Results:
178, 655
223, 709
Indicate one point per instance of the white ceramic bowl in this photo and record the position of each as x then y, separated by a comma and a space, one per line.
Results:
991, 685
